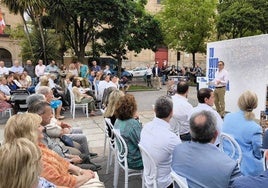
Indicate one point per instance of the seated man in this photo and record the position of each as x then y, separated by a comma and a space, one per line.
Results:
200, 161
159, 141
78, 154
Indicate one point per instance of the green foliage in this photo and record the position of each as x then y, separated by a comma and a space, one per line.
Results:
187, 24
241, 18
130, 29
51, 42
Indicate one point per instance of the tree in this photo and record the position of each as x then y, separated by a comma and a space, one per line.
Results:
129, 28
241, 18
187, 24
34, 9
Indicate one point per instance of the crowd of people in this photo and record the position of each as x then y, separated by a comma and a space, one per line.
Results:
180, 137
86, 82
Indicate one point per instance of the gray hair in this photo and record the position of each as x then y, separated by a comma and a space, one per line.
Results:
203, 126
38, 107
34, 98
43, 90
163, 107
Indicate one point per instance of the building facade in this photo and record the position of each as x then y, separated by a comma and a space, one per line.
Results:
9, 48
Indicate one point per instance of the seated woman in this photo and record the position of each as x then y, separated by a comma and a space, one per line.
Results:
13, 85
130, 129
25, 83
54, 168
4, 102
113, 98
21, 157
247, 133
81, 96
54, 102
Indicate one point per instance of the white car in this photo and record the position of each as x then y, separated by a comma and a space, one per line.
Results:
138, 71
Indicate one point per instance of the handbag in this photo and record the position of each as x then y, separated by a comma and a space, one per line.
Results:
67, 140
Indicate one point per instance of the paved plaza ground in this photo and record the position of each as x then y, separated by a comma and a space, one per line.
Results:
93, 128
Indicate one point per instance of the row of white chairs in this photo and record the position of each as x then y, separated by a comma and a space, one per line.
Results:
118, 147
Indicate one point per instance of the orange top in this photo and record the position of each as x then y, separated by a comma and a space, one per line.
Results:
55, 168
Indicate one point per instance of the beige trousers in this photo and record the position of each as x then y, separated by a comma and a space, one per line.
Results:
93, 182
219, 94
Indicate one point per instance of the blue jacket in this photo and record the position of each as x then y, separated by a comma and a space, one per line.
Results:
248, 134
260, 181
204, 165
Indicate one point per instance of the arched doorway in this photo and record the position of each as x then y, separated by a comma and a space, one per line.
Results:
161, 55
6, 56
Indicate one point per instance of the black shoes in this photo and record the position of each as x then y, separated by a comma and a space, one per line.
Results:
93, 155
95, 167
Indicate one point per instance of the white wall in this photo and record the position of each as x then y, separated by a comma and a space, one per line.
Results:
246, 60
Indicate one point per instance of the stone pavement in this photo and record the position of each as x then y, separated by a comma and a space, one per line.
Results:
93, 128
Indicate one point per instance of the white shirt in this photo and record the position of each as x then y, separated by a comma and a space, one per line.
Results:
15, 69
5, 89
179, 123
4, 71
102, 86
149, 71
203, 106
160, 142
40, 70
221, 76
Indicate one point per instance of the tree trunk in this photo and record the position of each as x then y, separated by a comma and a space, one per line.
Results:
119, 66
43, 39
27, 33
193, 54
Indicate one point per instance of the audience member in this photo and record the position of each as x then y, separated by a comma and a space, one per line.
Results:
52, 68
11, 83
54, 103
179, 122
72, 69
3, 70
247, 133
20, 159
16, 68
30, 69
159, 141
123, 84
200, 161
260, 181
39, 69
4, 102
130, 129
54, 138
3, 86
205, 98
95, 67
82, 69
103, 84
81, 96
107, 70
54, 168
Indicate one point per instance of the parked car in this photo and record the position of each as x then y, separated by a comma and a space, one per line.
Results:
138, 71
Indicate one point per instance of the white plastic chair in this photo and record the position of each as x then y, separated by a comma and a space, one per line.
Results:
149, 168
9, 111
121, 152
180, 181
265, 165
97, 95
109, 129
74, 105
235, 148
